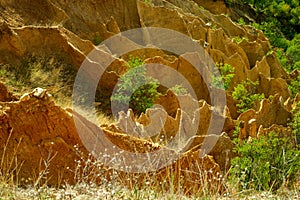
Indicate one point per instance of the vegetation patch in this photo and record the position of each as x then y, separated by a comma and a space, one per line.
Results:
246, 95
222, 76
135, 88
266, 163
49, 73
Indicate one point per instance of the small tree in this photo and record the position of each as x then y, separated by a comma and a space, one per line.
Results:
245, 94
135, 88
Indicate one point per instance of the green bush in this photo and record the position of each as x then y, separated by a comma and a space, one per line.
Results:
270, 27
297, 65
136, 88
294, 49
241, 21
266, 163
283, 58
295, 86
294, 52
245, 94
224, 81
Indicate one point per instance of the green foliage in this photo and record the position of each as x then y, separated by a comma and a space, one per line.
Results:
136, 88
293, 51
285, 13
241, 21
227, 73
284, 59
134, 62
297, 65
280, 22
295, 86
295, 124
271, 29
179, 90
236, 131
245, 94
266, 163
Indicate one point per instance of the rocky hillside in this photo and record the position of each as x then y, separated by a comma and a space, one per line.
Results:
44, 44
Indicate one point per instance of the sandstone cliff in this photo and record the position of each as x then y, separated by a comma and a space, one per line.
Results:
35, 130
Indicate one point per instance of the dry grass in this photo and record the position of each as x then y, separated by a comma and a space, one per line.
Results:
112, 184
87, 192
89, 187
48, 73
93, 181
104, 119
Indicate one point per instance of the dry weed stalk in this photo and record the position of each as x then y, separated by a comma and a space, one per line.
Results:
44, 171
9, 166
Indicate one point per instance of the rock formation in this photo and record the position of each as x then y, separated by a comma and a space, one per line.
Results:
35, 131
270, 113
39, 133
182, 132
21, 37
42, 141
17, 43
5, 95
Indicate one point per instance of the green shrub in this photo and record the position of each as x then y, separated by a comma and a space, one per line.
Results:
270, 27
136, 88
241, 21
283, 58
293, 50
227, 73
245, 94
266, 163
295, 86
297, 65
